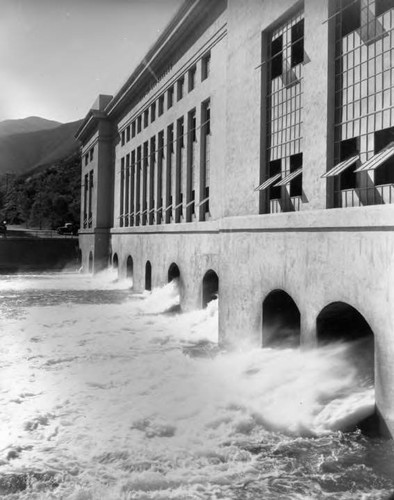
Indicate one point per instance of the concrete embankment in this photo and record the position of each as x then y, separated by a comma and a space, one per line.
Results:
41, 254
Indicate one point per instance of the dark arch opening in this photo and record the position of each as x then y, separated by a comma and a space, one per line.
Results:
210, 287
129, 267
115, 261
341, 322
173, 272
90, 262
148, 276
79, 256
281, 320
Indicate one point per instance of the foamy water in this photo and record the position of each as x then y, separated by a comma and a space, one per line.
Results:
105, 395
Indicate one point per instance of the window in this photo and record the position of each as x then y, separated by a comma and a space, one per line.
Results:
90, 215
192, 78
91, 153
276, 57
384, 174
122, 192
86, 159
123, 138
146, 118
128, 133
138, 188
351, 16
170, 172
152, 175
153, 112
348, 149
296, 182
85, 200
205, 173
139, 124
132, 188
180, 85
382, 6
133, 129
363, 77
160, 177
205, 66
180, 167
161, 105
170, 138
284, 94
297, 43
205, 118
181, 142
170, 97
192, 125
145, 167
191, 165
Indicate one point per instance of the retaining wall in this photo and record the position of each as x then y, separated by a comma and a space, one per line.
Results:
20, 255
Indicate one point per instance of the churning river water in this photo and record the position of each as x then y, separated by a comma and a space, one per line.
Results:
106, 395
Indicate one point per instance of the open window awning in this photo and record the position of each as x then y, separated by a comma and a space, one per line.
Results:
289, 177
341, 167
266, 184
377, 159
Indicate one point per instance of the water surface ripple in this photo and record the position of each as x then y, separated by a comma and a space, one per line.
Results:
106, 396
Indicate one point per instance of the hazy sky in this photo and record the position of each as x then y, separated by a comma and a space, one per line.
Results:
56, 56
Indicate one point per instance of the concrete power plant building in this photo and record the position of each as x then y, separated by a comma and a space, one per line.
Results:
252, 153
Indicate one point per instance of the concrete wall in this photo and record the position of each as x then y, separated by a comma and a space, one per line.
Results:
195, 251
317, 257
19, 255
96, 242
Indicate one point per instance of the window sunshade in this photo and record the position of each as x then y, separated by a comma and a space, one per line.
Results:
377, 159
289, 178
341, 167
268, 182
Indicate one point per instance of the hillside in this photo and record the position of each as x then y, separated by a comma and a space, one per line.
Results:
25, 125
21, 152
45, 198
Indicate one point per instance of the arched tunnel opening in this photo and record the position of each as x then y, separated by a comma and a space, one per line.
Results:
210, 287
129, 267
90, 262
148, 276
341, 322
173, 272
281, 320
174, 276
115, 261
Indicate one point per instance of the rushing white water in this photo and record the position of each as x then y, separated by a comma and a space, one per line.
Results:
104, 395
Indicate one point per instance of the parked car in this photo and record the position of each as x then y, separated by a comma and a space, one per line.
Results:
68, 228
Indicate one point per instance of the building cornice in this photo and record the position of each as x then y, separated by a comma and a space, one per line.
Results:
90, 124
190, 15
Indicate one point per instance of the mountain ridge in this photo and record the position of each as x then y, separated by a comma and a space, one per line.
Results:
23, 151
28, 124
